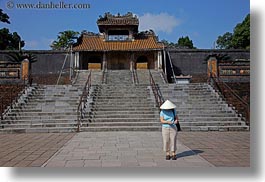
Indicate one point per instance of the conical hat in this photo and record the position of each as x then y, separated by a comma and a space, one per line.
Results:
168, 105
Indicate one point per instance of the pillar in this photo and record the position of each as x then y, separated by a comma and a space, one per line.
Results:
159, 59
212, 67
132, 62
76, 60
25, 70
104, 62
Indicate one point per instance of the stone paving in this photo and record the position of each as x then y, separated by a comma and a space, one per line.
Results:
222, 149
123, 149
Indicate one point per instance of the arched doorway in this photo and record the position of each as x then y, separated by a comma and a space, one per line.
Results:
142, 62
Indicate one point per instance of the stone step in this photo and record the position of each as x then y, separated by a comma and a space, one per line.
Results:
122, 103
124, 116
206, 115
72, 96
100, 120
38, 125
213, 123
66, 120
183, 94
210, 118
41, 113
111, 109
136, 124
120, 128
39, 130
34, 110
32, 118
47, 104
155, 128
198, 103
123, 98
157, 123
215, 128
123, 91
139, 112
122, 112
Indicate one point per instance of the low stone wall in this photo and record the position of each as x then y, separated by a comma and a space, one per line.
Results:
193, 61
49, 61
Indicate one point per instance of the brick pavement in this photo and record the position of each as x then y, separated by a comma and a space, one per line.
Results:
30, 150
222, 149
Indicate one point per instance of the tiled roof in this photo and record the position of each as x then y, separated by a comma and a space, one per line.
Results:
97, 43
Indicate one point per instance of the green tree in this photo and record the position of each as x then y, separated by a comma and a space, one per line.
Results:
10, 41
4, 17
64, 40
185, 42
225, 41
239, 39
241, 36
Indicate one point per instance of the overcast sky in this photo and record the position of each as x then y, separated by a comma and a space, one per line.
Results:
202, 20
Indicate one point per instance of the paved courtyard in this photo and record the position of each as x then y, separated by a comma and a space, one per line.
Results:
123, 149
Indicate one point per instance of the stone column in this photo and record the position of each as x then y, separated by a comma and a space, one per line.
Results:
76, 65
212, 67
132, 65
25, 70
155, 61
159, 60
104, 62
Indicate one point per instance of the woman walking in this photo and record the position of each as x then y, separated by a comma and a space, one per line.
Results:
169, 119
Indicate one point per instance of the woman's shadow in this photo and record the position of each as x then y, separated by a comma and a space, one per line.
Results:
189, 153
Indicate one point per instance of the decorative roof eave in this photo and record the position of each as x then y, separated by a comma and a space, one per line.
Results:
132, 50
98, 43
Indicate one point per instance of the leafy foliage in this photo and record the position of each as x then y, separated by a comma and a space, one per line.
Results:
225, 41
20, 56
239, 39
64, 40
183, 42
4, 17
10, 41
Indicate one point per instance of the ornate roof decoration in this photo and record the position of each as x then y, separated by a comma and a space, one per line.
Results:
109, 19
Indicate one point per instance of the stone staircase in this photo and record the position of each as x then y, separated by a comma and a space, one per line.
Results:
48, 109
121, 106
143, 76
82, 75
157, 76
200, 108
118, 77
